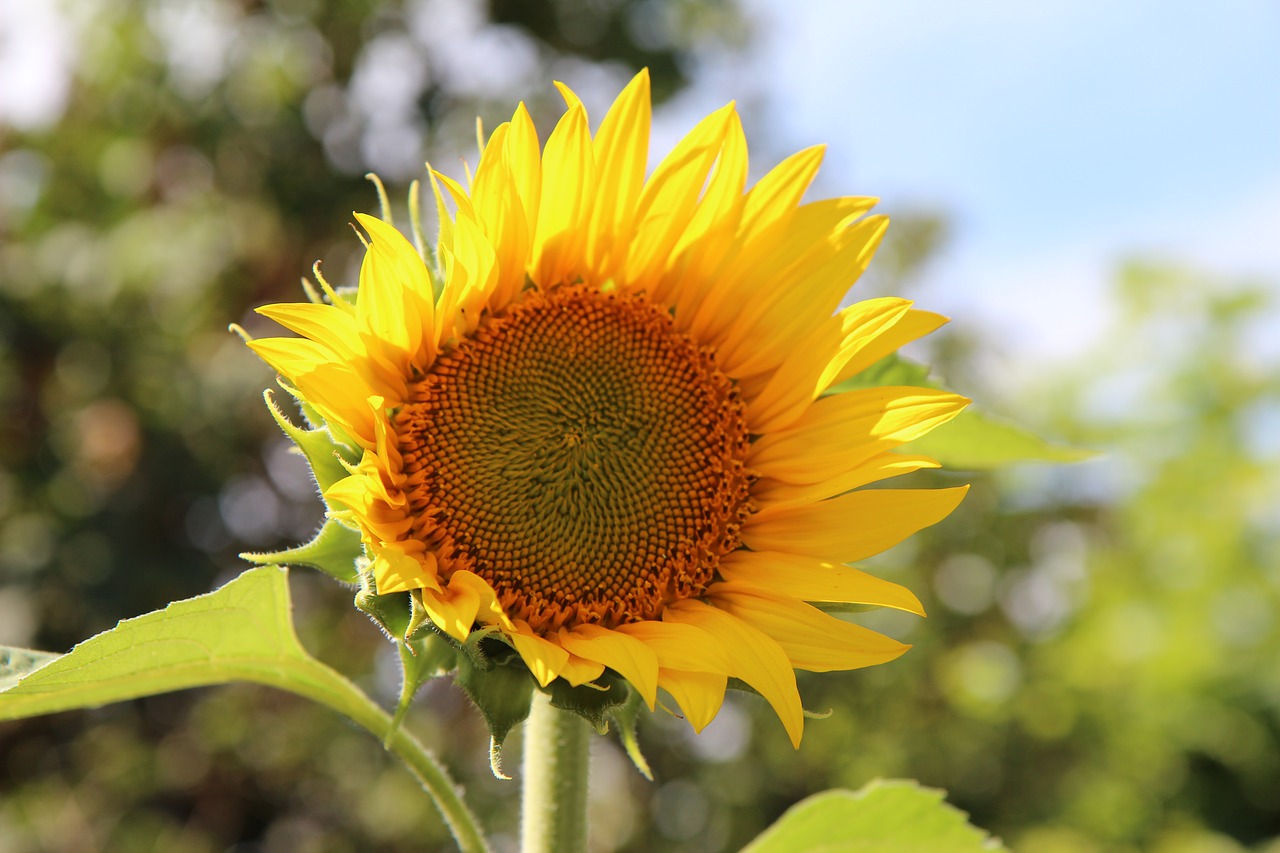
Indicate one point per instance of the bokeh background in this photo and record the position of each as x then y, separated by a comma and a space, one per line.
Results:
1091, 190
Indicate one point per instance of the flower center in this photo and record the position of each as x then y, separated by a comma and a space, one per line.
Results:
582, 456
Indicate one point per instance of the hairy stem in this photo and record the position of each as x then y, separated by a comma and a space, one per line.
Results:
554, 801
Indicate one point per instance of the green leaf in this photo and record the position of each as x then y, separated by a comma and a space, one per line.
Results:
894, 816
890, 370
333, 550
241, 632
977, 441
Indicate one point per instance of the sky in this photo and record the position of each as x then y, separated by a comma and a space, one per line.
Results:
1059, 137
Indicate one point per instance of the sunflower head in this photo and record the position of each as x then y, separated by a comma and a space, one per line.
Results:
599, 440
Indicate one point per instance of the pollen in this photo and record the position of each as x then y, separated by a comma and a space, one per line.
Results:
582, 456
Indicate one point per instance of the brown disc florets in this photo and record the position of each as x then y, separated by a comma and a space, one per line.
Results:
581, 455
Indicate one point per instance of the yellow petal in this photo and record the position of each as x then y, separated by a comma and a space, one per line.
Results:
765, 264
461, 198
784, 317
623, 653
454, 609
473, 274
913, 325
622, 155
680, 646
850, 527
501, 217
444, 235
812, 640
779, 192
792, 388
699, 694
721, 203
524, 159
839, 432
395, 570
336, 329
671, 195
292, 357
544, 658
337, 391
775, 493
755, 658
814, 579
395, 306
578, 671
568, 176
325, 324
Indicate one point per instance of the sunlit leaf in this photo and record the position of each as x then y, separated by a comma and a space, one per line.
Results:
241, 632
976, 441
893, 816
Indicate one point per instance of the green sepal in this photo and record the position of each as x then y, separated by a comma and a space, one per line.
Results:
424, 653
390, 612
624, 716
334, 550
593, 701
421, 659
324, 452
742, 687
503, 693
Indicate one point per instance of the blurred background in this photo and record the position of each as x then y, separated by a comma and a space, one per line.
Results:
1091, 190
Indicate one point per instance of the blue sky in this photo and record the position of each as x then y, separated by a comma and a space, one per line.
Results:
1060, 136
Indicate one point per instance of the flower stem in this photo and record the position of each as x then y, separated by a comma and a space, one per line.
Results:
344, 697
554, 801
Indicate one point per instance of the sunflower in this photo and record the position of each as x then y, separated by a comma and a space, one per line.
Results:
605, 422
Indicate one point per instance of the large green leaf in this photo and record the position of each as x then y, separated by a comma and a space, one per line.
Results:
241, 632
977, 441
892, 816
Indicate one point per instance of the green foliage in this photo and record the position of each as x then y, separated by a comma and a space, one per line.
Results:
882, 817
974, 440
241, 632
977, 441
